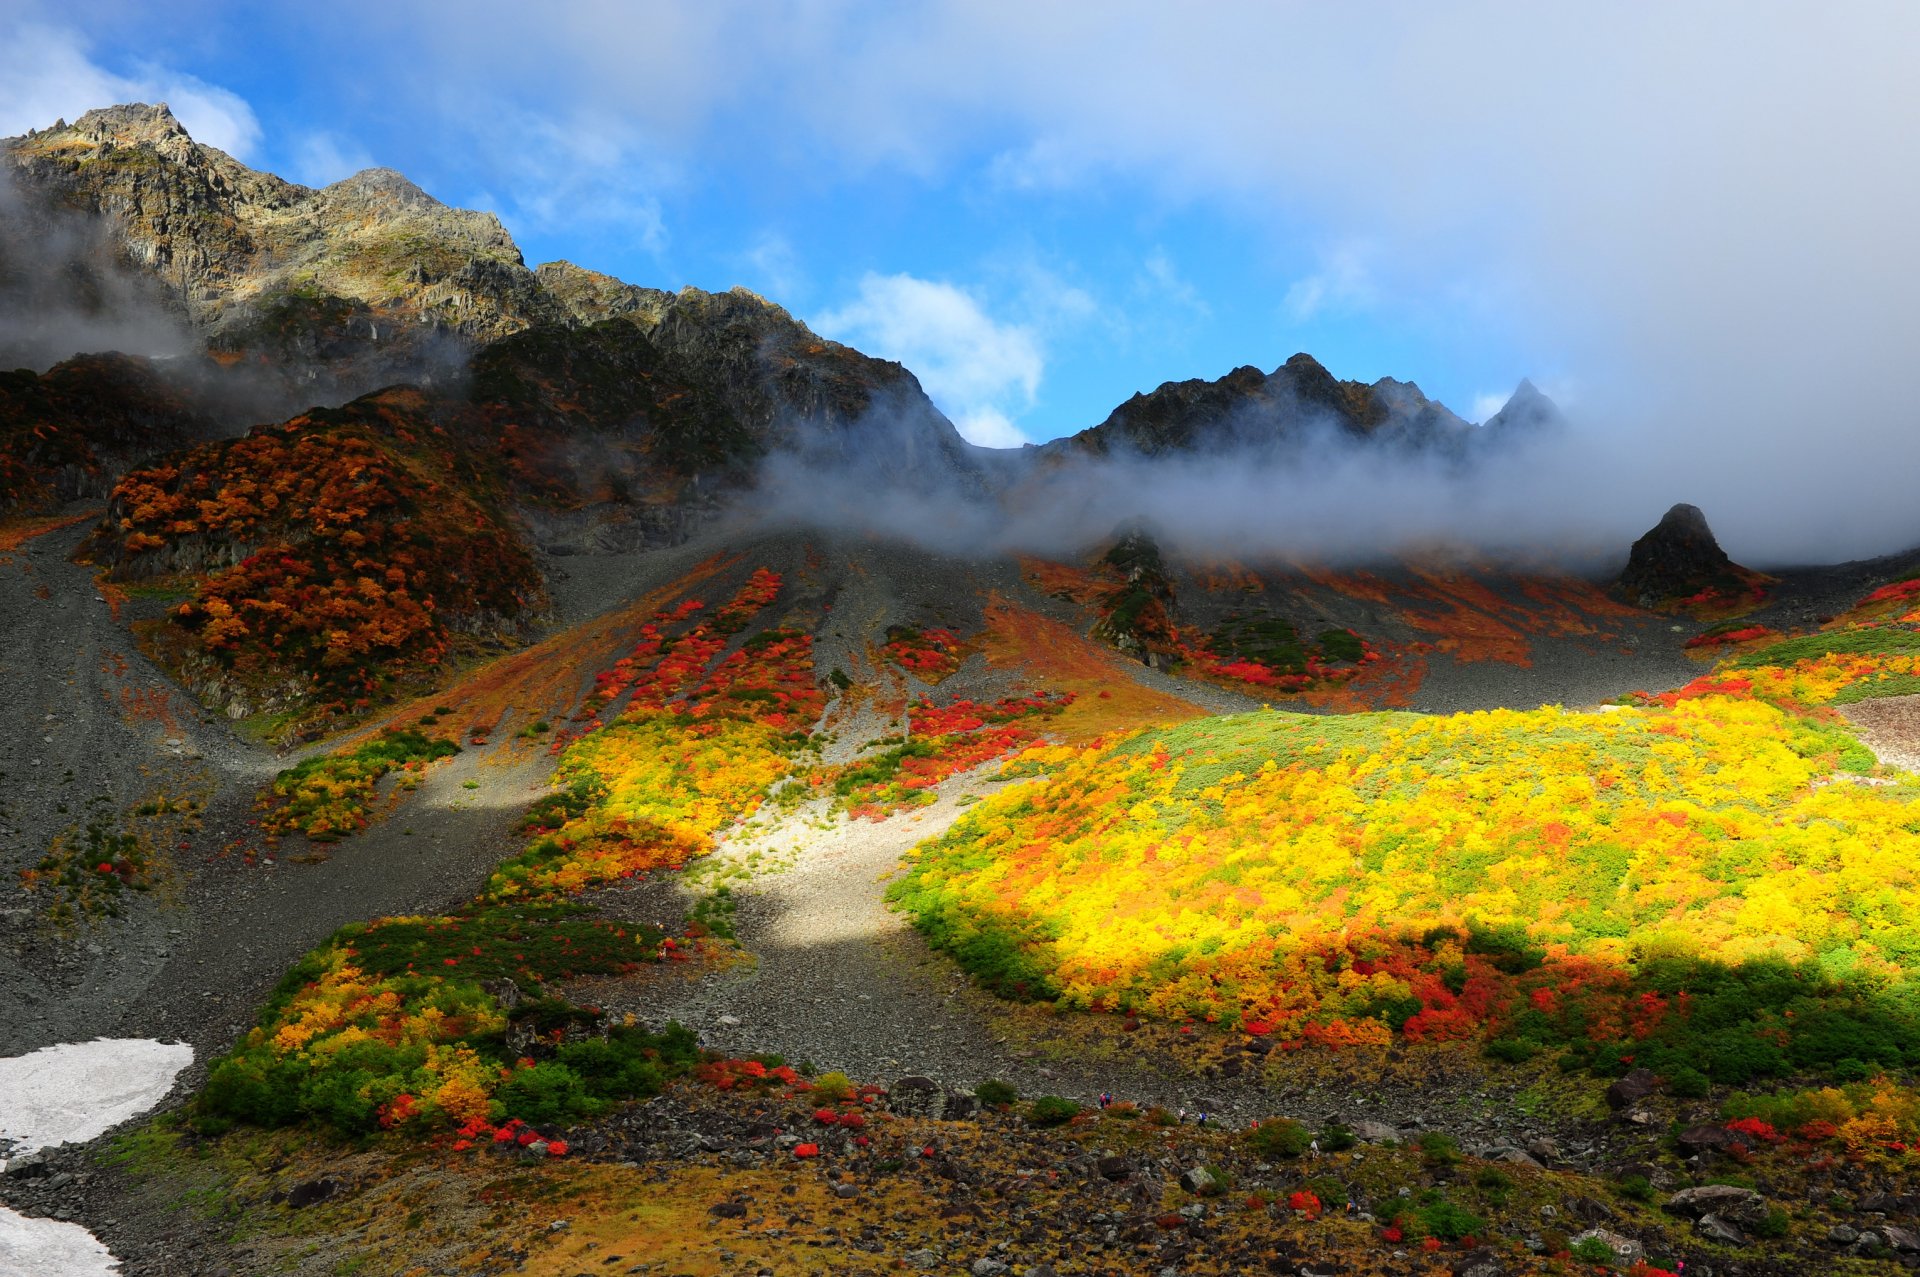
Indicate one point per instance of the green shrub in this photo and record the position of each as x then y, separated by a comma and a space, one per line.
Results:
1512, 1050
1636, 1187
1279, 1137
1775, 1224
548, 1092
1438, 1217
1438, 1148
995, 1094
1591, 1250
1336, 1138
1688, 1083
1052, 1110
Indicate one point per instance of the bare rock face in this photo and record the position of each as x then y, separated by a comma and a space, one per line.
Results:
1297, 405
232, 243
1678, 560
332, 293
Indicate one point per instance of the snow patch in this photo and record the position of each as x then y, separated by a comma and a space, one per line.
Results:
48, 1248
77, 1090
66, 1093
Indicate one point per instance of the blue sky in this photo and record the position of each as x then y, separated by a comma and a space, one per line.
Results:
1032, 281
1682, 221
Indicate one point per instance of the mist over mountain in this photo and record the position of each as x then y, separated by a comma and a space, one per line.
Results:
265, 297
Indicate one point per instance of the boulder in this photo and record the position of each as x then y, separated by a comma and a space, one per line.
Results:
1589, 1211
1200, 1181
310, 1193
1726, 1201
1707, 1137
1631, 1089
1904, 1240
1113, 1169
1725, 1231
1479, 1263
1374, 1133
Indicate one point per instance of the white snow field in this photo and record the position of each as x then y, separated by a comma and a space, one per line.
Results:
63, 1094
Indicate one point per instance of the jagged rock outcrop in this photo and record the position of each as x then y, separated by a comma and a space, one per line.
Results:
1680, 560
371, 280
236, 246
792, 389
1298, 405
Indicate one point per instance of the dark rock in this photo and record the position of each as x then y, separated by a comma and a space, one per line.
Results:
1479, 1263
1904, 1240
1114, 1169
727, 1210
1707, 1137
1716, 1229
1631, 1089
301, 1196
1588, 1211
1841, 1235
1678, 559
27, 1166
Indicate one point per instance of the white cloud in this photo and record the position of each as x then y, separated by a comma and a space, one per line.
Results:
1342, 282
773, 268
568, 172
1162, 279
990, 429
46, 75
979, 371
321, 158
1045, 164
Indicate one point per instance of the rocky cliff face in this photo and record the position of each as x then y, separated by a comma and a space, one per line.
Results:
371, 280
1297, 405
231, 243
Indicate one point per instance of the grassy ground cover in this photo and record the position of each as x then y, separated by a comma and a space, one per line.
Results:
1677, 883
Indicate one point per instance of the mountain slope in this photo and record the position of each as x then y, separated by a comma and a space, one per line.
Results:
338, 291
1299, 404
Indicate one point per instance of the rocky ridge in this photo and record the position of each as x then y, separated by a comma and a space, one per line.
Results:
1296, 406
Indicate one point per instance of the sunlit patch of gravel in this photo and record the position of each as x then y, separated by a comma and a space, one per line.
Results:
1890, 727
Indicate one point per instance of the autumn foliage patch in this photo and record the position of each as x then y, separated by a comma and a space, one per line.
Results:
342, 551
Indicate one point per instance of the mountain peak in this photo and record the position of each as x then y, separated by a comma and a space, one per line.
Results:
386, 186
130, 122
133, 124
1527, 411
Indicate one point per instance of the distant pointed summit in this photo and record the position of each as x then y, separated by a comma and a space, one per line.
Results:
1526, 412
